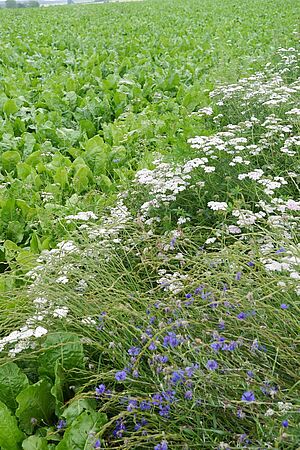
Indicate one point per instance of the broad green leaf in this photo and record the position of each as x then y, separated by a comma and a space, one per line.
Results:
12, 382
10, 159
10, 434
76, 407
10, 107
26, 210
46, 243
57, 389
35, 443
9, 212
23, 170
105, 183
78, 435
63, 347
29, 143
15, 231
110, 82
26, 259
35, 244
61, 177
99, 163
95, 143
34, 158
88, 126
36, 401
11, 248
81, 180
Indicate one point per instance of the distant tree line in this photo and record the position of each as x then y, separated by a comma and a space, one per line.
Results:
15, 4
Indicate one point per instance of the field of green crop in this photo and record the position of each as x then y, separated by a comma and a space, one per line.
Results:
149, 226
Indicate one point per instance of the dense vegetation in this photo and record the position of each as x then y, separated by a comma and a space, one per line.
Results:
149, 226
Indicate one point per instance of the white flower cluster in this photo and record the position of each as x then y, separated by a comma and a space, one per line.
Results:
111, 224
164, 183
244, 146
173, 282
217, 206
246, 217
25, 337
82, 216
206, 111
22, 339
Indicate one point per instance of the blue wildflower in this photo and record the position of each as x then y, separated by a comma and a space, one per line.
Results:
216, 346
191, 370
100, 390
145, 406
188, 395
156, 399
121, 375
285, 423
170, 340
172, 243
144, 421
250, 374
240, 414
97, 444
199, 289
132, 404
162, 446
176, 377
163, 359
248, 396
152, 346
134, 351
212, 364
244, 438
238, 276
135, 373
284, 306
119, 429
230, 347
137, 426
241, 316
164, 410
61, 424
221, 325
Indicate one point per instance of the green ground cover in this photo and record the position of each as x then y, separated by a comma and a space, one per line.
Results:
88, 93
149, 202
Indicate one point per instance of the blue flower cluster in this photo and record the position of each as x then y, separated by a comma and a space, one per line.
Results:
168, 332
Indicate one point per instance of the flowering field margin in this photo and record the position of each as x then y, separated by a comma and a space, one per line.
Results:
87, 94
171, 322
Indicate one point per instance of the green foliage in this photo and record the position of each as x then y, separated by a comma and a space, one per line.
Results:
121, 95
35, 403
88, 96
10, 434
77, 407
35, 443
39, 406
58, 388
63, 348
12, 382
80, 434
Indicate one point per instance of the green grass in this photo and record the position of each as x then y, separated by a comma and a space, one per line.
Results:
130, 74
146, 326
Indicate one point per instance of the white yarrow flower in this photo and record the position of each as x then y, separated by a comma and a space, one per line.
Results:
217, 206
